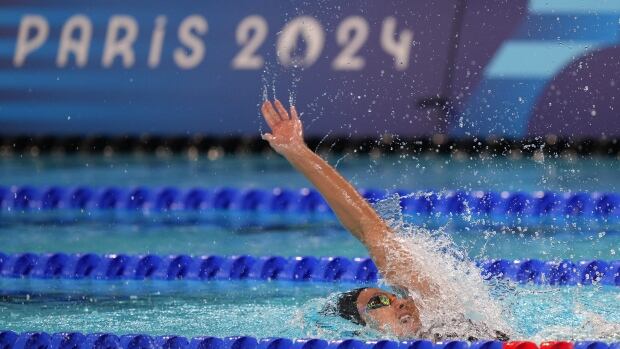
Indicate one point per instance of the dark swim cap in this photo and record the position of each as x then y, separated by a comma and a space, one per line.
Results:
346, 306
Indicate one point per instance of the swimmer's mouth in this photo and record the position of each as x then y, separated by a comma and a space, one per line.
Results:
404, 319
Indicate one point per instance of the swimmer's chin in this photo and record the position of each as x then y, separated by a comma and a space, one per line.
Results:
404, 329
399, 332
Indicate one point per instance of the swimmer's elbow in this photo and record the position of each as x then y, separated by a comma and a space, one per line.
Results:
367, 226
373, 231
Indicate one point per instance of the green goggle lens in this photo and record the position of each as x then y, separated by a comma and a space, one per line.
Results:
378, 301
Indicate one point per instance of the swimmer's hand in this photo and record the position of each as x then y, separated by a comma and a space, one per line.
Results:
286, 131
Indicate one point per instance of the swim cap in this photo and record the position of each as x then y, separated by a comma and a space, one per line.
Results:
346, 306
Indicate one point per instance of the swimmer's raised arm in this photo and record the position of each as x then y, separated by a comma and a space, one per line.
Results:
350, 207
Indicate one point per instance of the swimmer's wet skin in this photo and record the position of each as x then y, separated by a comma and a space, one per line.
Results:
372, 307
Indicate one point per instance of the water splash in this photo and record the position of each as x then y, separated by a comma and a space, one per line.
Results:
462, 304
466, 306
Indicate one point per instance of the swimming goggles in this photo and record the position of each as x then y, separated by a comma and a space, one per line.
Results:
378, 301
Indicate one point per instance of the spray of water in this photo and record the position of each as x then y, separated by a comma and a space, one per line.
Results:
462, 304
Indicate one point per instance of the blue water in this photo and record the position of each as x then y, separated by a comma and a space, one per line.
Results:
326, 239
261, 309
279, 308
426, 172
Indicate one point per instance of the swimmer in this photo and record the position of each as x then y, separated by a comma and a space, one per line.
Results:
367, 306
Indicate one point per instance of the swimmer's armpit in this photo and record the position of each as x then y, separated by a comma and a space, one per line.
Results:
350, 207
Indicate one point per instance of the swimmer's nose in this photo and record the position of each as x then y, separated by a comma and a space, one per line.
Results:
404, 307
400, 304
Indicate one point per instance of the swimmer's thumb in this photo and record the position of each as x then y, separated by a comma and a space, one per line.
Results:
267, 136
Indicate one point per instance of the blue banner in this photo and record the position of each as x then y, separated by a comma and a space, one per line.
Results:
353, 68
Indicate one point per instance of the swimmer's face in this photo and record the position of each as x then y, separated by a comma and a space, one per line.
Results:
387, 312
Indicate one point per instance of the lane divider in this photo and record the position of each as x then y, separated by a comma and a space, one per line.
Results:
195, 145
76, 340
322, 269
282, 200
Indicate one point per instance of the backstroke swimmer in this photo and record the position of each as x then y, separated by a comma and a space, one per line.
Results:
368, 306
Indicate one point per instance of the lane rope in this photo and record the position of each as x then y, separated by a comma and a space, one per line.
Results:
282, 200
77, 340
308, 268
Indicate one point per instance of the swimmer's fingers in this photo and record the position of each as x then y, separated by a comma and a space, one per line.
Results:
282, 111
295, 118
294, 115
271, 116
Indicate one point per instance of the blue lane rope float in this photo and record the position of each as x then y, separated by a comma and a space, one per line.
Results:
282, 200
321, 269
77, 340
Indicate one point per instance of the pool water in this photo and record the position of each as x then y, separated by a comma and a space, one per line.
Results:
262, 309
424, 172
326, 239
265, 309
